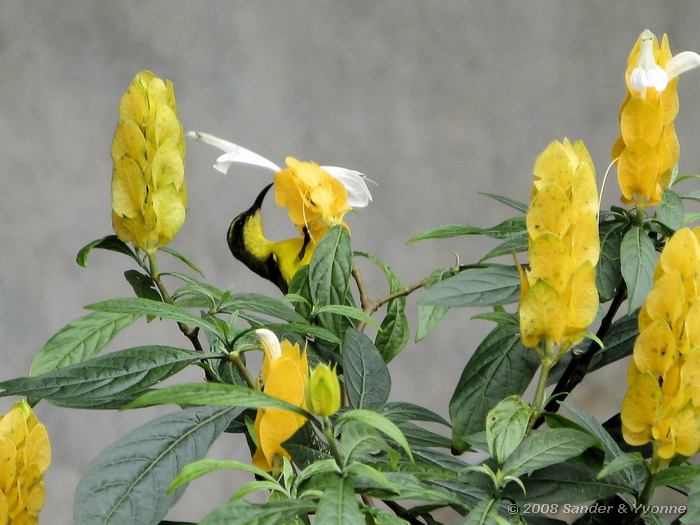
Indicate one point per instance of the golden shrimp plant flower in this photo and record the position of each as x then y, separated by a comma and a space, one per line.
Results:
558, 295
285, 372
316, 197
149, 195
25, 454
662, 403
648, 148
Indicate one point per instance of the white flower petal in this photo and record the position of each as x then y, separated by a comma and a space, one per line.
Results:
657, 78
270, 342
638, 79
233, 153
681, 63
354, 182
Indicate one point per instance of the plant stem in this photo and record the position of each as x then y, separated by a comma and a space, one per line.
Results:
400, 293
235, 358
330, 438
539, 401
191, 333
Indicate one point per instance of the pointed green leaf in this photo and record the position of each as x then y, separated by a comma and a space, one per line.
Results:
338, 505
172, 251
512, 203
242, 512
127, 482
111, 243
105, 381
638, 260
547, 447
506, 424
493, 285
608, 274
203, 467
217, 394
367, 378
379, 422
80, 340
501, 366
670, 210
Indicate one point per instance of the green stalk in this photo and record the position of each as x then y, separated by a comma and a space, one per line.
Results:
330, 438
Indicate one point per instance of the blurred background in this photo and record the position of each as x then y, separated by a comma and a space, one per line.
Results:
435, 101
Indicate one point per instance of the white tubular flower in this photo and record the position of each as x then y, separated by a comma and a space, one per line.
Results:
270, 343
359, 195
649, 74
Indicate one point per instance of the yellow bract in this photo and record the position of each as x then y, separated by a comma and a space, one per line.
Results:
285, 371
663, 400
25, 454
149, 195
558, 297
315, 199
648, 149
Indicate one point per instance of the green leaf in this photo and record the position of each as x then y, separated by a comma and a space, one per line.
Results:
500, 367
506, 424
633, 477
681, 475
485, 513
329, 273
516, 205
608, 274
241, 512
691, 218
500, 318
181, 258
493, 285
106, 381
367, 378
504, 230
692, 514
619, 341
637, 260
399, 412
256, 486
351, 312
547, 447
670, 210
620, 463
203, 467
358, 441
394, 332
218, 394
429, 315
79, 340
379, 422
303, 329
361, 470
690, 195
111, 243
324, 466
139, 306
338, 505
300, 286
515, 244
142, 285
262, 304
567, 482
127, 482
420, 437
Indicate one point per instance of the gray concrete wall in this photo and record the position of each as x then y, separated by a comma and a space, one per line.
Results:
434, 100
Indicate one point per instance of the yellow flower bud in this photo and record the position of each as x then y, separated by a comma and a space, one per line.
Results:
149, 195
25, 454
558, 297
323, 391
648, 148
662, 403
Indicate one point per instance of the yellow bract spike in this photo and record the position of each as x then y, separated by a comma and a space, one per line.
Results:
655, 349
637, 172
640, 121
543, 315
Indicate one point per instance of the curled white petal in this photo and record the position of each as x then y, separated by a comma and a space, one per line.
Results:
233, 153
681, 63
649, 77
354, 182
270, 342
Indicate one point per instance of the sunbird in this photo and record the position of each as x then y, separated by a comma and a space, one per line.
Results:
274, 261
